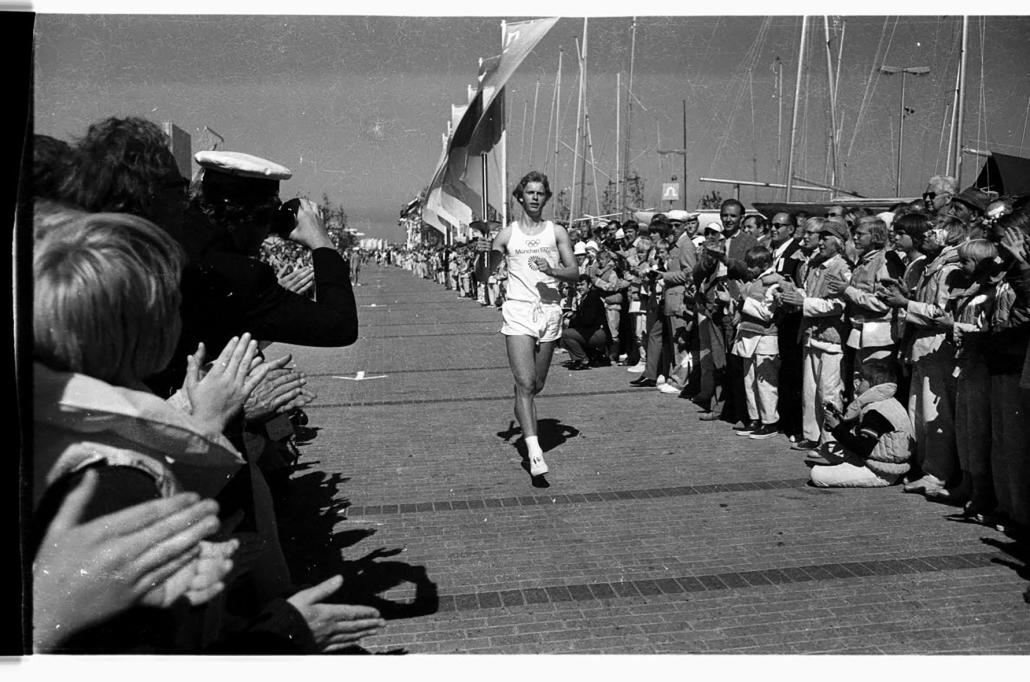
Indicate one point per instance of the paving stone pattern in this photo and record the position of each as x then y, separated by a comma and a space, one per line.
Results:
658, 533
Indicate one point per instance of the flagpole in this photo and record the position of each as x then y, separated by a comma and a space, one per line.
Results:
504, 139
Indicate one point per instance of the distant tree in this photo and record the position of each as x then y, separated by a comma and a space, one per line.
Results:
634, 192
610, 201
562, 208
333, 215
711, 200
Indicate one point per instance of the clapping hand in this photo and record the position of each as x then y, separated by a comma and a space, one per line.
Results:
335, 626
198, 581
893, 293
792, 296
836, 285
84, 573
281, 390
220, 394
1015, 243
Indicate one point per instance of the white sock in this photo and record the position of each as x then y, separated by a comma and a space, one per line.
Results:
533, 446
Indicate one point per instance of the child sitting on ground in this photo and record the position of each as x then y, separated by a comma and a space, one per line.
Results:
874, 433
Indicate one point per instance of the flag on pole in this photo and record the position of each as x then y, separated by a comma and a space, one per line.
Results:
480, 128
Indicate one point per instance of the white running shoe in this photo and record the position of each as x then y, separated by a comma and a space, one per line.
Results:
637, 368
669, 388
537, 465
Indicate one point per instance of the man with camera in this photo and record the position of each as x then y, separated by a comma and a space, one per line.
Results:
234, 206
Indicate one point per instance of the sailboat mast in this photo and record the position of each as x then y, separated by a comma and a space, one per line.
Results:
833, 103
961, 100
629, 116
618, 129
949, 158
579, 130
586, 120
593, 164
557, 124
684, 155
1025, 119
797, 100
532, 129
522, 133
779, 118
840, 58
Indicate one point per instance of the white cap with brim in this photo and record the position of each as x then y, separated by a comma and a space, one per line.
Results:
715, 227
580, 249
242, 165
677, 215
592, 245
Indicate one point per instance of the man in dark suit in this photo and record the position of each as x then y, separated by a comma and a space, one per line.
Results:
787, 258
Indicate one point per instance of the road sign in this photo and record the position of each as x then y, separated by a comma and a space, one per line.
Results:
670, 191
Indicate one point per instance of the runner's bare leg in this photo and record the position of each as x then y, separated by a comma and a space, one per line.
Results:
521, 352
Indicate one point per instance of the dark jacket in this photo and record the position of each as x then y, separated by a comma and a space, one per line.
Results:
225, 294
589, 315
737, 247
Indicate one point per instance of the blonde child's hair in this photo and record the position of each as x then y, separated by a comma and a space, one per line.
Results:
106, 299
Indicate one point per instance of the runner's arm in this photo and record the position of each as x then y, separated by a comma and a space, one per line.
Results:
569, 270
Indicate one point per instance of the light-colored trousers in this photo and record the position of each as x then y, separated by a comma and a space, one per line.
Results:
820, 383
761, 381
850, 472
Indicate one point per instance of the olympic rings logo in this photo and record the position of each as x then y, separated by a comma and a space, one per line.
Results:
532, 242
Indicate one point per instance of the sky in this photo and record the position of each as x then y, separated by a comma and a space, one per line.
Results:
355, 105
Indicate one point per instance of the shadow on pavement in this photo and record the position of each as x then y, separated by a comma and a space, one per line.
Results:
551, 433
1017, 549
309, 512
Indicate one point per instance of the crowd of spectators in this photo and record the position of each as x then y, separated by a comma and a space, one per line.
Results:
458, 268
887, 347
162, 431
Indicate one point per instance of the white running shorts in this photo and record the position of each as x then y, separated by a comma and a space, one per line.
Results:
542, 321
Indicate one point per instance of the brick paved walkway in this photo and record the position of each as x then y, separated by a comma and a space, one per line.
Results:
658, 533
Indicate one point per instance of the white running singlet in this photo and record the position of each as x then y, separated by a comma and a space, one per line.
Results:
526, 283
